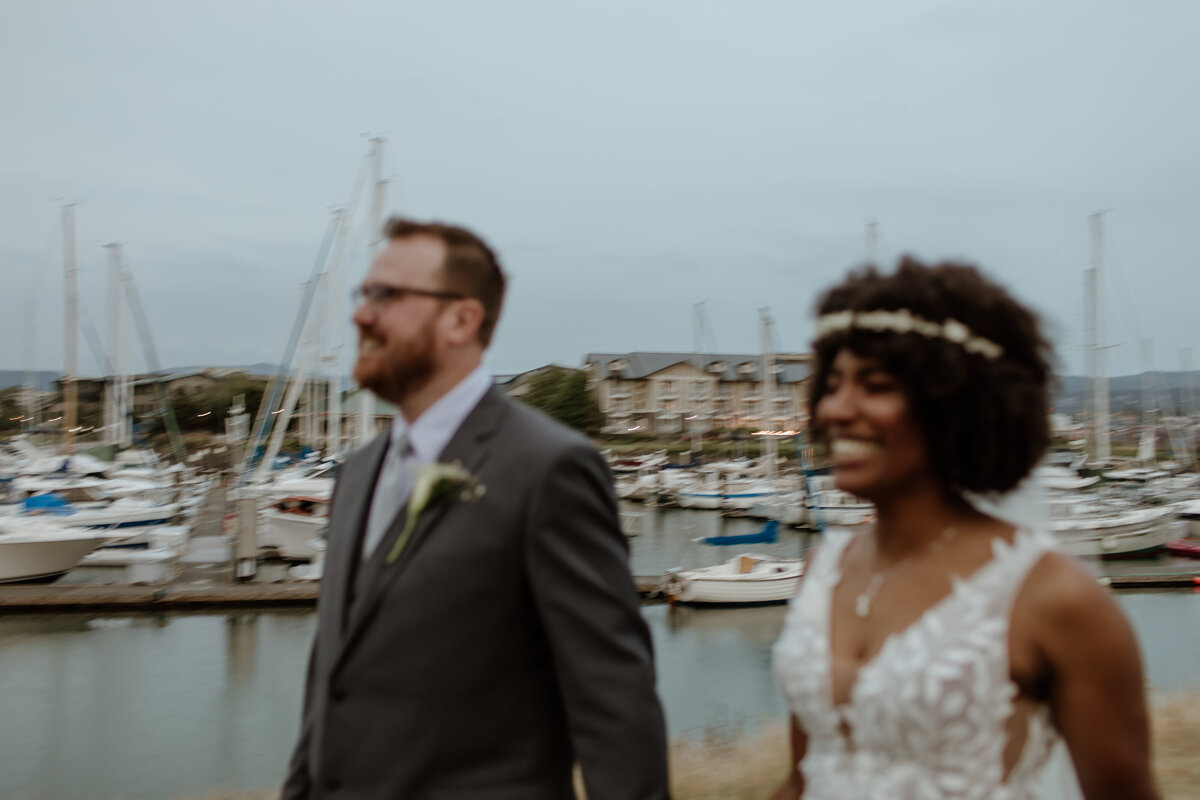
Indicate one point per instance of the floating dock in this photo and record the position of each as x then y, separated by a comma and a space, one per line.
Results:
80, 597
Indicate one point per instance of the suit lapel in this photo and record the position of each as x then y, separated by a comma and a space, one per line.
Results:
468, 447
356, 486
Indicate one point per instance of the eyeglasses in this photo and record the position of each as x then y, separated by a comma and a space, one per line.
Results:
379, 295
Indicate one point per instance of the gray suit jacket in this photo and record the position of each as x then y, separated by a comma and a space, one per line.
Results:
505, 644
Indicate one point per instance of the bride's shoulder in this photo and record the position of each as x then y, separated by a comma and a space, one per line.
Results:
1065, 599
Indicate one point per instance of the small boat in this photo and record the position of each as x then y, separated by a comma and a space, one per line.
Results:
746, 579
1189, 548
842, 509
289, 525
41, 550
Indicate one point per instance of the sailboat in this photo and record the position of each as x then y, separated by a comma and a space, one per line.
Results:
1091, 526
747, 578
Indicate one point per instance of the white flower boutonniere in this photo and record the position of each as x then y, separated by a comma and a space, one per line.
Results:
435, 482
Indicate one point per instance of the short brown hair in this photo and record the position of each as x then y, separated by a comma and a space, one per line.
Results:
471, 267
984, 420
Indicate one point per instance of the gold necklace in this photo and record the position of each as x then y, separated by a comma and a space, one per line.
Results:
862, 603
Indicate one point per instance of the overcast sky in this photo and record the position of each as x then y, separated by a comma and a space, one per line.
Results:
627, 159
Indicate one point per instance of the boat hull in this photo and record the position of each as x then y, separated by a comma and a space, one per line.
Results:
770, 581
289, 535
1141, 533
43, 560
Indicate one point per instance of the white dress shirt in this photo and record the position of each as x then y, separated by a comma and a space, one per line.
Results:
416, 444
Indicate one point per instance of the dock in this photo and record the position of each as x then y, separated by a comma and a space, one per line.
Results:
650, 586
87, 597
191, 596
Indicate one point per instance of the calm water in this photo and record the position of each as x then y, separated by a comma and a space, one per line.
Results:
152, 707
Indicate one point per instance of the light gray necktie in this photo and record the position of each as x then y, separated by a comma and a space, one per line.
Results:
392, 488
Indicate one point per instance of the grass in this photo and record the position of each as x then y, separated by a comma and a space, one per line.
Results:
752, 764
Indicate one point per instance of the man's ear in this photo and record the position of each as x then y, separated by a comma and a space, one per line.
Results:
464, 318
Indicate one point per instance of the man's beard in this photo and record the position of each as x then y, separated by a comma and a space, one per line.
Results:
407, 372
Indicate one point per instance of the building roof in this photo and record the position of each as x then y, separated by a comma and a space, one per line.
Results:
636, 366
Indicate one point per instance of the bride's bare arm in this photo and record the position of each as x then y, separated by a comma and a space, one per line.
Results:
793, 786
1094, 682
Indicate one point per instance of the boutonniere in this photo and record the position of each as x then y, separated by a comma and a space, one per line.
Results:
435, 482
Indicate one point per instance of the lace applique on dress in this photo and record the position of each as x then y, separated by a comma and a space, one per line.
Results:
927, 716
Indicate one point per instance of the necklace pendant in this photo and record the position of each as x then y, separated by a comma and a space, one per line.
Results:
862, 604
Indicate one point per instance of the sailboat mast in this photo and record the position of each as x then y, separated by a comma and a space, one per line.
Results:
30, 391
71, 312
1189, 403
767, 384
1100, 415
337, 335
366, 400
1150, 409
697, 345
872, 240
111, 435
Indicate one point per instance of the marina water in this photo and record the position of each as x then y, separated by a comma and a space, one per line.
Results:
150, 707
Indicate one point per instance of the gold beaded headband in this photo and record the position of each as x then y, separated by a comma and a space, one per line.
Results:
904, 321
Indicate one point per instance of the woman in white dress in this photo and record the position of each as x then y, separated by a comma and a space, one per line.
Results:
940, 654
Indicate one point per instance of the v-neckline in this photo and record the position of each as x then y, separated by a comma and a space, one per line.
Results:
999, 547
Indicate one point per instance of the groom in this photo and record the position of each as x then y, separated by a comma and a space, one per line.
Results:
477, 641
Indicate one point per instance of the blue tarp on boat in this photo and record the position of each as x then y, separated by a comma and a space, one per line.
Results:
766, 536
49, 503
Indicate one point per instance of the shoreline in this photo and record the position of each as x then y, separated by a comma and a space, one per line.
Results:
751, 764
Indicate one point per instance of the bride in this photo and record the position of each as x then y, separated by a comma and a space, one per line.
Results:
941, 653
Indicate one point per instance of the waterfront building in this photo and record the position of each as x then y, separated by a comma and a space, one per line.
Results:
676, 393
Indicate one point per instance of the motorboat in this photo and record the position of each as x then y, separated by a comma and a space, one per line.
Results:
288, 526
746, 579
38, 550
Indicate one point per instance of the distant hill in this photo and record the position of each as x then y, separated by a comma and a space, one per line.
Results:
1179, 389
44, 379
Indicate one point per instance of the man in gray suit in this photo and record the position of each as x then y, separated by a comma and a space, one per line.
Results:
475, 641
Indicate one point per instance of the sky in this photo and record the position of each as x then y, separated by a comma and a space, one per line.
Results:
628, 160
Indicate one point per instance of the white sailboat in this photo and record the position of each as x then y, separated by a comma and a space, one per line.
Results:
1088, 528
746, 579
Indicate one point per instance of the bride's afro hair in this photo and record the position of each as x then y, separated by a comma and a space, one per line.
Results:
984, 420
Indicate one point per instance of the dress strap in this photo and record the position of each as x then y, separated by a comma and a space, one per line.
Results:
827, 555
1011, 565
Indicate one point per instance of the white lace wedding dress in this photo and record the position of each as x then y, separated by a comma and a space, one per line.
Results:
928, 716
